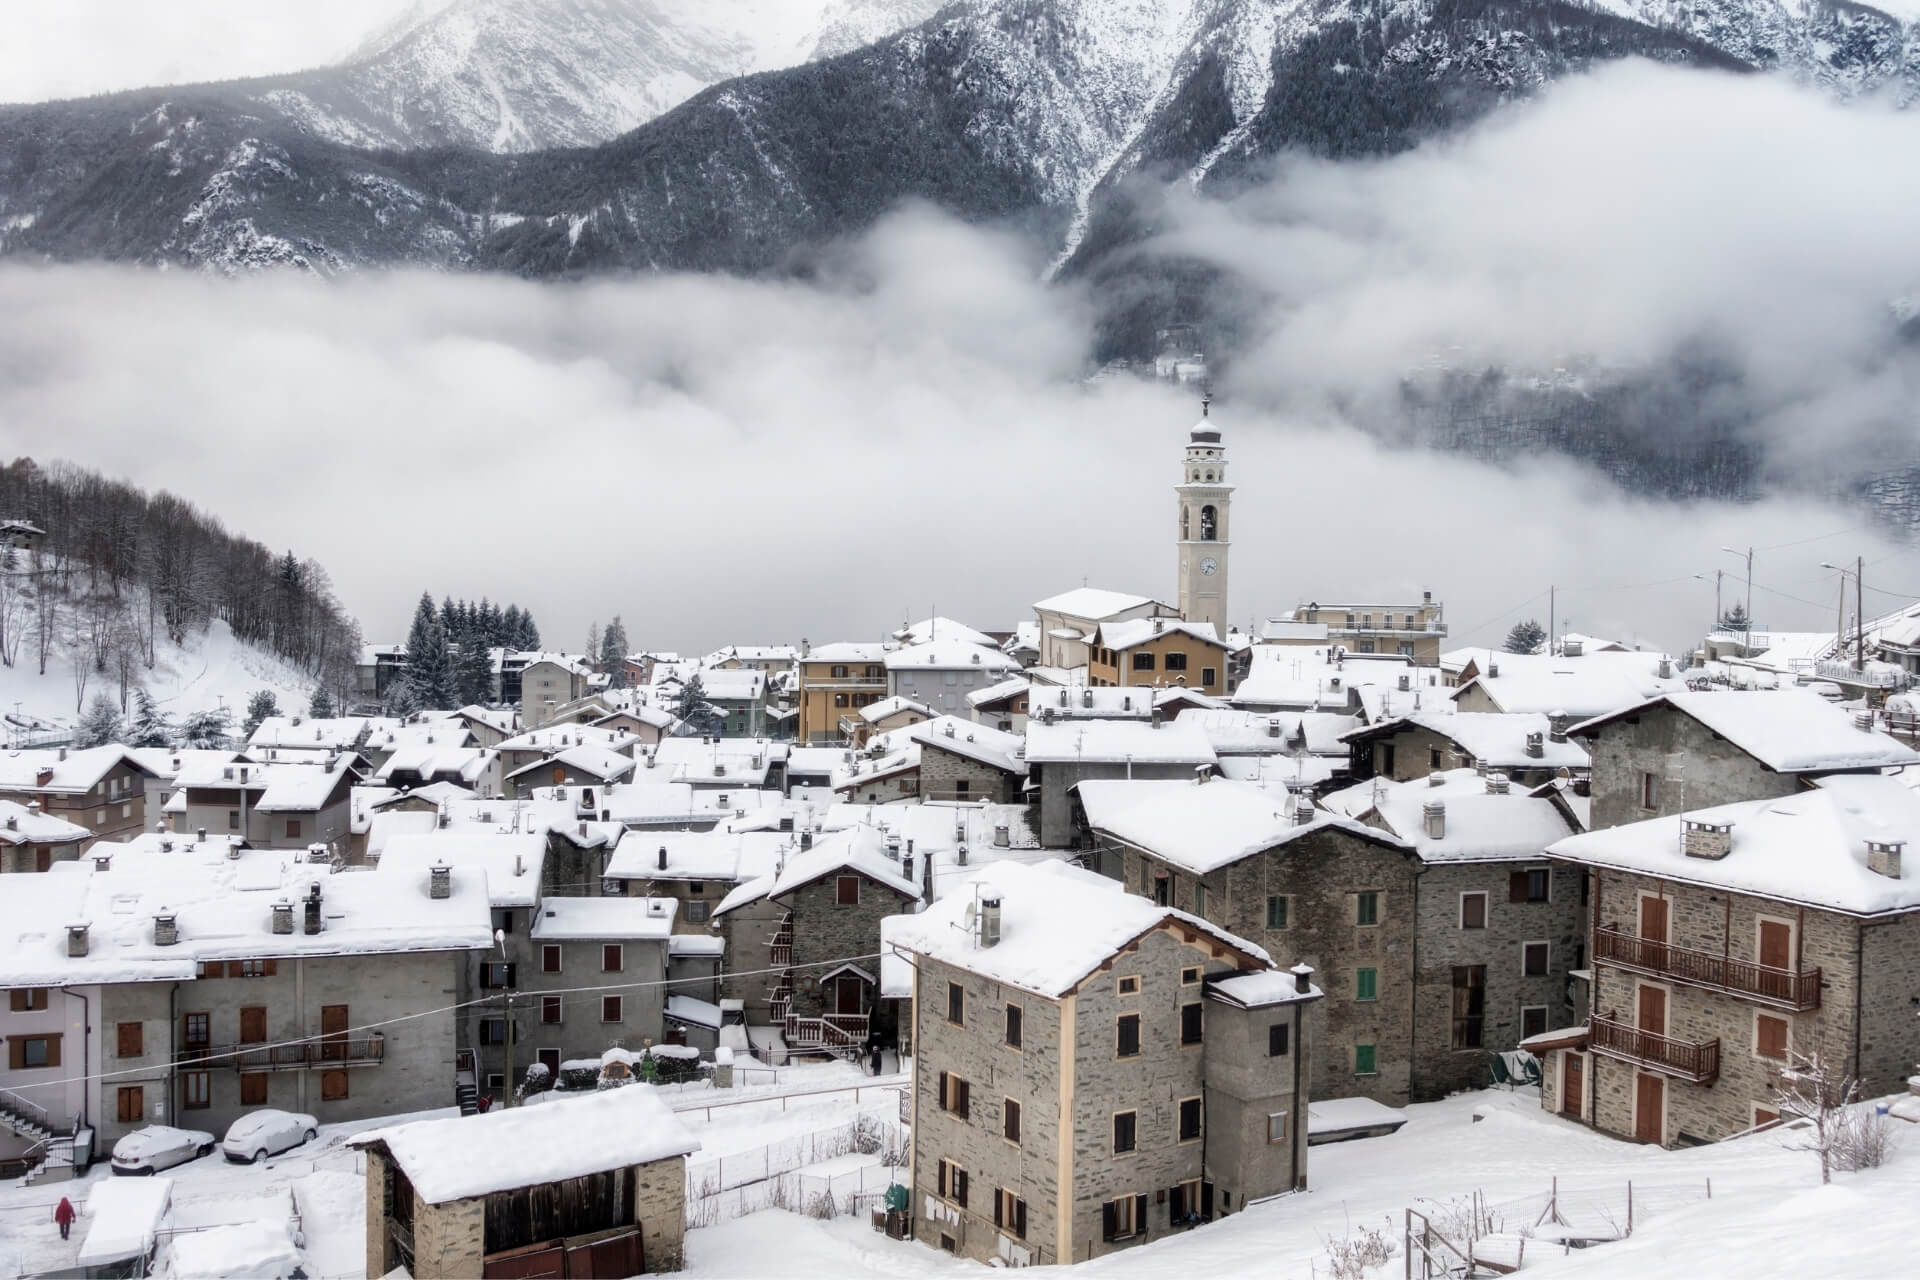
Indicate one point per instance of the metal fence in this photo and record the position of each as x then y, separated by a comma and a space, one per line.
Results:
771, 1177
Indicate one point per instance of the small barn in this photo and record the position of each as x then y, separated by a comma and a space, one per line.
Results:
588, 1187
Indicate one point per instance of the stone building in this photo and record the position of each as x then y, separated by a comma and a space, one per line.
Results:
593, 1186
1062, 755
1093, 1071
1528, 748
33, 840
1685, 751
100, 788
269, 806
963, 761
1730, 940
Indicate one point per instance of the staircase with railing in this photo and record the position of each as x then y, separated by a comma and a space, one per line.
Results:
51, 1136
832, 1033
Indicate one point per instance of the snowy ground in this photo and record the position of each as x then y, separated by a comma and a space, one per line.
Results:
193, 677
1767, 1215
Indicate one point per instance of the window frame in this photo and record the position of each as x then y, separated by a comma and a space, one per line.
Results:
1010, 1120
1120, 987
956, 1004
1285, 903
1199, 1128
1485, 903
1191, 975
617, 953
1542, 947
1786, 1047
1193, 1024
1014, 1033
196, 1090
1285, 1031
1369, 1055
616, 1005
1120, 1024
1285, 1127
551, 958
841, 886
1366, 902
1132, 1132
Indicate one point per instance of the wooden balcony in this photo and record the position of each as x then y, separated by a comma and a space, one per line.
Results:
782, 949
322, 1052
1778, 988
835, 1032
1684, 1059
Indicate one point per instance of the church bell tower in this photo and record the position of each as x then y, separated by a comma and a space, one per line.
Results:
1205, 498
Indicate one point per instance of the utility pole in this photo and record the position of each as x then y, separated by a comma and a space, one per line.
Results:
1859, 614
1717, 615
1551, 601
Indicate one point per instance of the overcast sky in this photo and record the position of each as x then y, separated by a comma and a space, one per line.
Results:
725, 461
67, 48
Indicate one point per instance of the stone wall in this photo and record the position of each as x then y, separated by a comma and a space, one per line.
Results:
1889, 1031
1245, 1086
379, 1261
150, 1005
824, 931
1058, 817
582, 1032
1714, 770
660, 1211
942, 772
449, 1240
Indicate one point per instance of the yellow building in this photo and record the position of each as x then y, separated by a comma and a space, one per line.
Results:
1408, 630
836, 680
1158, 653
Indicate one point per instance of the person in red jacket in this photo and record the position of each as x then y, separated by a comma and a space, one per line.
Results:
64, 1216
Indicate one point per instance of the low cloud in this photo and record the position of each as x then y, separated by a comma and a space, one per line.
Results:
728, 461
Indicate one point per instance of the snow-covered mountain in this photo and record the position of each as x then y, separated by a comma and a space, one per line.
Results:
520, 75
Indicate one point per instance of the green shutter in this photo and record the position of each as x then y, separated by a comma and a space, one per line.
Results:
1276, 912
1363, 1059
1366, 984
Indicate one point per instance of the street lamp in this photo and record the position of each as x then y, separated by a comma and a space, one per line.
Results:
1748, 554
1859, 614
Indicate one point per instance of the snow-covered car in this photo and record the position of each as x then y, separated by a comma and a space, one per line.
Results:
260, 1134
158, 1147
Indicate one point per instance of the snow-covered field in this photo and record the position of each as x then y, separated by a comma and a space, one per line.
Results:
196, 676
1767, 1215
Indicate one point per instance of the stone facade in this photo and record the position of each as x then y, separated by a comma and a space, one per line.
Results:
948, 775
1692, 768
1061, 820
114, 808
825, 932
582, 1029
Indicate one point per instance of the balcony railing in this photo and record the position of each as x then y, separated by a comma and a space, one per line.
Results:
834, 1031
1698, 1062
782, 954
1870, 677
1781, 988
321, 1051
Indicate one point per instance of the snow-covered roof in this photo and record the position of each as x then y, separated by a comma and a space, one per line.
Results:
510, 863
593, 762
166, 762
304, 788
338, 733
585, 919
124, 1217
692, 945
813, 761
874, 712
1787, 730
1496, 738
561, 736
566, 662
862, 849
847, 651
1116, 741
27, 824
1261, 988
938, 628
690, 1009
235, 1251
1808, 848
1130, 632
460, 1157
1058, 923
73, 771
1091, 603
951, 654
1004, 751
1480, 825
434, 793
1203, 826
1009, 688
469, 764
719, 855
1587, 685
1245, 733
1299, 677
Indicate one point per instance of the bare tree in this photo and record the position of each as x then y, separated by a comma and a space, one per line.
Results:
1845, 1133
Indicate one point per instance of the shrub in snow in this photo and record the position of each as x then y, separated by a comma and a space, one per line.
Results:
261, 705
1845, 1134
100, 725
1349, 1259
538, 1081
150, 726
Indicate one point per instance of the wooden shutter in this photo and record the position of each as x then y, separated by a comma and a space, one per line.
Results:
960, 1187
1140, 1214
214, 969
1108, 1223
53, 1050
943, 1179
1020, 1218
1517, 886
963, 1098
1773, 1037
17, 1000
132, 1039
999, 1200
253, 1024
130, 1103
17, 1053
1776, 945
253, 1088
1176, 1203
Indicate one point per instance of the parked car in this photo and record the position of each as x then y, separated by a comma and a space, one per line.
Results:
260, 1134
158, 1147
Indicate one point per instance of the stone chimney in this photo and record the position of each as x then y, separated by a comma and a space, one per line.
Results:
1302, 978
1496, 784
1574, 648
313, 918
1002, 837
1303, 810
166, 930
76, 940
806, 840
1883, 857
1536, 745
1435, 812
1493, 670
1406, 682
440, 881
1666, 667
1710, 840
283, 917
988, 922
1273, 726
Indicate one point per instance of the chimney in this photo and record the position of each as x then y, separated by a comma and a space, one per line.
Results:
283, 917
43, 776
1086, 697
1302, 978
960, 855
1536, 745
63, 754
1435, 812
200, 835
33, 807
1437, 779
313, 907
1557, 726
989, 922
1159, 625
13, 822
1710, 840
1863, 720
1302, 810
103, 862
806, 840
1574, 648
1155, 721
1666, 667
786, 822
1406, 681
166, 930
1202, 774
1002, 837
1273, 726
446, 818
1583, 786
1496, 784
1883, 857
949, 728
76, 940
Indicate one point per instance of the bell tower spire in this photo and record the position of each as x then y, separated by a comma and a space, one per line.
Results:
1205, 500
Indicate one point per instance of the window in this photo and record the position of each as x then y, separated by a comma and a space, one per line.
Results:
493, 1031
1124, 1132
1366, 908
333, 1086
1190, 975
503, 920
550, 1010
1208, 675
839, 699
1276, 1126
293, 828
1276, 911
1473, 911
1366, 646
1013, 1026
1123, 1218
1469, 1004
1534, 957
1190, 1023
1533, 1020
1366, 984
131, 1039
1528, 886
1363, 1060
31, 1053
697, 911
846, 891
1189, 1119
1010, 1212
953, 1183
1127, 1035
550, 958
1649, 791
250, 968
1764, 1114
956, 1004
956, 1095
1277, 1040
1162, 892
130, 1104
496, 976
27, 999
1010, 1121
610, 1008
1771, 1036
253, 1024
1127, 986
1143, 662
198, 1030
1433, 759
837, 673
1199, 898
1176, 662
612, 958
233, 819
196, 1090
253, 1088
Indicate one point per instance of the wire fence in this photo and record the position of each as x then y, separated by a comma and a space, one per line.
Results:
854, 1159
1465, 1234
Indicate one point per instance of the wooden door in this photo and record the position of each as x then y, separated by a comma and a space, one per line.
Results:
1653, 1010
1776, 945
847, 996
253, 1025
1649, 1108
1653, 919
1573, 1085
132, 1100
333, 1032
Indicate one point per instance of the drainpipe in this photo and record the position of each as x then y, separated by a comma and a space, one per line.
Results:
173, 1055
1859, 954
86, 1048
1298, 1137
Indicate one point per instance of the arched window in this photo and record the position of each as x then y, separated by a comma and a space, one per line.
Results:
1183, 524
1209, 477
1209, 523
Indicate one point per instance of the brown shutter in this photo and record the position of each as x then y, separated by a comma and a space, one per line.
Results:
999, 1199
1140, 1214
965, 1099
943, 1179
16, 1054
1020, 1218
132, 1038
53, 1051
253, 1025
269, 968
17, 1000
1108, 1224
1517, 887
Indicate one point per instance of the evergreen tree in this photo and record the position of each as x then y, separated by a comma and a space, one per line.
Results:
429, 662
529, 633
1526, 637
150, 726
205, 730
473, 672
697, 715
507, 627
261, 705
1735, 619
613, 652
401, 700
321, 708
100, 725
592, 654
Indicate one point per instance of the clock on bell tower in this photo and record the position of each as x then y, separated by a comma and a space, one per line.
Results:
1205, 498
